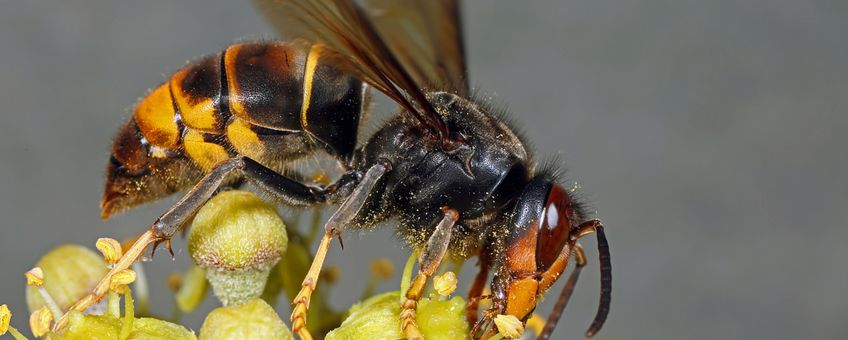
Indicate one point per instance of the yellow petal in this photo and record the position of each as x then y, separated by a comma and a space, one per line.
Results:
509, 326
35, 277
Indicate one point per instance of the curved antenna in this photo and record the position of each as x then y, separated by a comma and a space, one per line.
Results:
606, 283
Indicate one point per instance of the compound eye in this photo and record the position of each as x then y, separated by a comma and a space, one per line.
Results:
557, 218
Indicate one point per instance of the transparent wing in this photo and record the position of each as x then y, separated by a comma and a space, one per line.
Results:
427, 38
351, 37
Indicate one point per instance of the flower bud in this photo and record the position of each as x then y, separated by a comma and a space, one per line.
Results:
445, 284
5, 318
35, 277
509, 326
110, 248
254, 319
70, 272
237, 237
39, 321
379, 318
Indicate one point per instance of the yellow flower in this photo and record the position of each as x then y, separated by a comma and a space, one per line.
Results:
72, 270
5, 317
35, 277
509, 326
121, 279
39, 321
445, 284
110, 248
378, 317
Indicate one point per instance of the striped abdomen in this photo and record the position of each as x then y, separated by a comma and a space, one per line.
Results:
273, 102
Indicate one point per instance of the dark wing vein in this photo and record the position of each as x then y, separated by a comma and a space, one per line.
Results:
353, 39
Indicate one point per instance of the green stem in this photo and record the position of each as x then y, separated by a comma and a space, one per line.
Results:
51, 304
405, 279
129, 317
369, 288
113, 306
17, 335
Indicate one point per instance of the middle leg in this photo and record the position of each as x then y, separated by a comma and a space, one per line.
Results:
334, 227
428, 262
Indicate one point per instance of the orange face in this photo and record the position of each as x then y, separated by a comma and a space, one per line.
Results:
539, 254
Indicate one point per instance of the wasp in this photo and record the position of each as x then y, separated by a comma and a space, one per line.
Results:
447, 167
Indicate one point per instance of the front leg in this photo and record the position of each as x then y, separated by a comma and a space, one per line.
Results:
428, 262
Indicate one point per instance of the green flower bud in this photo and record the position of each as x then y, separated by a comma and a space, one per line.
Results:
70, 272
379, 318
254, 319
237, 237
109, 327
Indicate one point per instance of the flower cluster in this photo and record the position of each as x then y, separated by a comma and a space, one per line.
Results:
242, 249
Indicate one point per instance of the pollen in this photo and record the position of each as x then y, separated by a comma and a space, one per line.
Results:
445, 284
121, 279
5, 318
35, 277
39, 321
509, 326
110, 248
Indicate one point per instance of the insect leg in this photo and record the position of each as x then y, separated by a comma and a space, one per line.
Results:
476, 290
287, 190
169, 223
334, 227
428, 262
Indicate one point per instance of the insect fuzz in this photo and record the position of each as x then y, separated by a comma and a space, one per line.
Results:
272, 102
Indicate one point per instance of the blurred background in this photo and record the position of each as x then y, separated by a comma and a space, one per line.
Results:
708, 136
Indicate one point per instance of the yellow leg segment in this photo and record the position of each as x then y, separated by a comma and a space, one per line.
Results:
301, 301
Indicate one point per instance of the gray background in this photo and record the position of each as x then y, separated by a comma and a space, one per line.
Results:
708, 135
